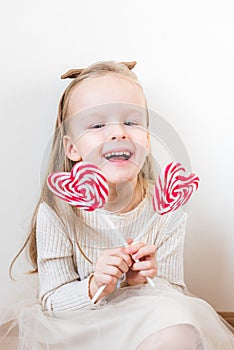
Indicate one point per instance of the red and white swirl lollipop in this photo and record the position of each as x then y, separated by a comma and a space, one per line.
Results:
84, 187
173, 188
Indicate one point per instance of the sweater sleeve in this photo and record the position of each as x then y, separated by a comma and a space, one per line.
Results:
60, 285
170, 250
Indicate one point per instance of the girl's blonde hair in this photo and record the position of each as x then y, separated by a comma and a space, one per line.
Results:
58, 161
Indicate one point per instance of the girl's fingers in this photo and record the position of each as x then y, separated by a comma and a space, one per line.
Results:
121, 253
109, 269
147, 250
114, 262
112, 271
118, 262
103, 279
112, 266
148, 273
141, 265
133, 249
144, 265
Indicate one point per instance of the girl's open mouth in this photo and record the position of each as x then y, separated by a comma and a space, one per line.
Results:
117, 156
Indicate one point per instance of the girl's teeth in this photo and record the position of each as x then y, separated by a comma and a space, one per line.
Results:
113, 154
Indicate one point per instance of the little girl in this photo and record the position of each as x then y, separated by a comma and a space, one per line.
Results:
103, 119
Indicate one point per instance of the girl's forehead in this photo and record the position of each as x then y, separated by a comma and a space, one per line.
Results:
107, 89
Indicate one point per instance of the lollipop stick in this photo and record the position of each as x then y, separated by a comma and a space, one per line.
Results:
97, 295
150, 281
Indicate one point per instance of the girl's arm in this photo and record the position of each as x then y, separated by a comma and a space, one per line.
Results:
60, 285
170, 259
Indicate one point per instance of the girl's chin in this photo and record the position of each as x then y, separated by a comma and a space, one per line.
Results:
120, 174
115, 179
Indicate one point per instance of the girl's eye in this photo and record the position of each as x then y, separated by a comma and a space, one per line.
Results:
130, 123
97, 126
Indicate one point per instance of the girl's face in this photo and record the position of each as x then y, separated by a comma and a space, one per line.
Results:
107, 126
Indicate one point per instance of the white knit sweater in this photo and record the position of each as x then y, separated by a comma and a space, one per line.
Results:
64, 272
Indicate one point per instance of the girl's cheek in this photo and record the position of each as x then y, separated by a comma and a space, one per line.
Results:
141, 140
94, 150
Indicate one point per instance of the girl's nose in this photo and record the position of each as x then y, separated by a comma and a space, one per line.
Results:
117, 131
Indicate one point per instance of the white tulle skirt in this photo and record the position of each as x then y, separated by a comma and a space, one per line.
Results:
126, 320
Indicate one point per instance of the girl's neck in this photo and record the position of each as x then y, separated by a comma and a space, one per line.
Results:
125, 196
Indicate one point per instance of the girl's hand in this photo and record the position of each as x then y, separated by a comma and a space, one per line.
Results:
146, 267
109, 268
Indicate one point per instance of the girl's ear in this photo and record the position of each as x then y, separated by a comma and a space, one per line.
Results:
70, 149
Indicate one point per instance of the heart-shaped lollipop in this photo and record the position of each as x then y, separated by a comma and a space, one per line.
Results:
173, 188
84, 187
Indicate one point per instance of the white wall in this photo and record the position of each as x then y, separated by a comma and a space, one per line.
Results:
185, 56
